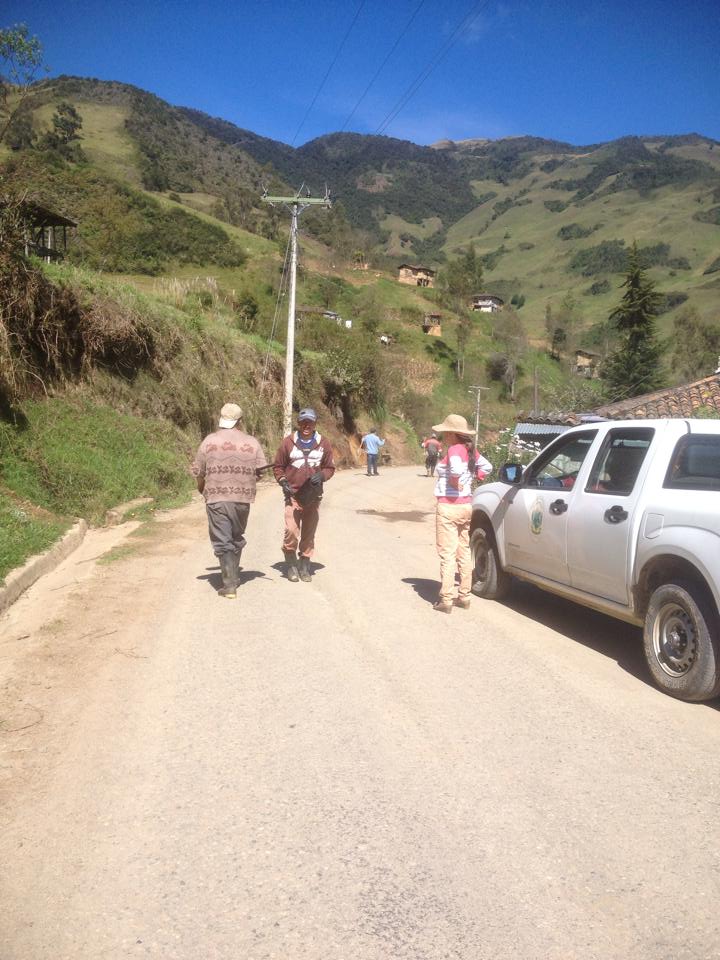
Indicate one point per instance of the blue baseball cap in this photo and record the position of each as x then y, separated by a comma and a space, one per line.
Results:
307, 413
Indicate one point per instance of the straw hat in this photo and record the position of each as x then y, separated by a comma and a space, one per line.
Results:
454, 423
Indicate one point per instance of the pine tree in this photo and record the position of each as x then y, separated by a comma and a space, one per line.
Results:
634, 367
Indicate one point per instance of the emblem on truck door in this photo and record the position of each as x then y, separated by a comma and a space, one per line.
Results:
536, 516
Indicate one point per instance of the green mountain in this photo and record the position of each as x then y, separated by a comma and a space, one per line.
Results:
549, 219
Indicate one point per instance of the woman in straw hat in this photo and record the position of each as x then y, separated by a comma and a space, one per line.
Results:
454, 510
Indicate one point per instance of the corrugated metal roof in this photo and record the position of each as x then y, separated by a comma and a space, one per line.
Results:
541, 428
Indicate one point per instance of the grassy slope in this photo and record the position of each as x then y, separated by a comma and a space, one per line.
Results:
542, 273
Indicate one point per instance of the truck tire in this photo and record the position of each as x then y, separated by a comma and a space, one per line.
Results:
681, 642
489, 581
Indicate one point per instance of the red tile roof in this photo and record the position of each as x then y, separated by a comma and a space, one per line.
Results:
680, 401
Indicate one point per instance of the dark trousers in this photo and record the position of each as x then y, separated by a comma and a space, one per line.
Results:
226, 525
372, 463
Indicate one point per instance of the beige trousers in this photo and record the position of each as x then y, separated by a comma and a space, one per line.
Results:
452, 533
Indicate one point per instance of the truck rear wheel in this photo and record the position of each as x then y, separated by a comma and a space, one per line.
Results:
489, 581
681, 642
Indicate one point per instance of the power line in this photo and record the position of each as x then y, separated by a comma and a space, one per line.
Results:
328, 72
465, 24
382, 65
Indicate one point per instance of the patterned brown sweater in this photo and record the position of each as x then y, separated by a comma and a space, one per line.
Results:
228, 459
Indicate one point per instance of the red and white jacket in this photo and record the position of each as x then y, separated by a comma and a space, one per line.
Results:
454, 483
297, 465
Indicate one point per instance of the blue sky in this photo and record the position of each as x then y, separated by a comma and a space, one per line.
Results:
583, 71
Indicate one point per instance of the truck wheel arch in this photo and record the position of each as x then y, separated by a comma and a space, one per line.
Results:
669, 569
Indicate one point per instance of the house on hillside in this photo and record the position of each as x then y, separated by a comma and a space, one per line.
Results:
431, 324
586, 364
487, 303
46, 232
416, 276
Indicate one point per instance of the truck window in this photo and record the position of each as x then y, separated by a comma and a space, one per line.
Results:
618, 463
695, 463
559, 466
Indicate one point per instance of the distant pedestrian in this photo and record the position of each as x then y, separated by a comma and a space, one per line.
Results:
433, 450
226, 466
453, 491
372, 443
303, 462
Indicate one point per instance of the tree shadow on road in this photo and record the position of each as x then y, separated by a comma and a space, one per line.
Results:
426, 589
612, 638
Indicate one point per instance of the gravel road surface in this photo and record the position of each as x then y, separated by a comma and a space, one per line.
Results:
332, 770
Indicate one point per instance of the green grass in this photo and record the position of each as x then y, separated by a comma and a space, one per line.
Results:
78, 458
24, 532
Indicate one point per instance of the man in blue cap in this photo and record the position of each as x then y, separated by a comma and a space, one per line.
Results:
303, 462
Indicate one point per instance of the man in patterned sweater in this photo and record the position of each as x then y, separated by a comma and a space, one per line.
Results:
226, 466
304, 461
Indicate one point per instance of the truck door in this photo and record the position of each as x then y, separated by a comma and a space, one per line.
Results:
535, 523
600, 527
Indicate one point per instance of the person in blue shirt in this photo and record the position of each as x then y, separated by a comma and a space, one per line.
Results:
372, 443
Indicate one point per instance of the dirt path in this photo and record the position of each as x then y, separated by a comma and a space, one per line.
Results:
332, 769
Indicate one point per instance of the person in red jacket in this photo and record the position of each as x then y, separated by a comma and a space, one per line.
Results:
303, 462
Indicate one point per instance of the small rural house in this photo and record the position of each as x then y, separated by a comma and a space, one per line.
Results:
416, 276
486, 303
46, 232
586, 364
431, 324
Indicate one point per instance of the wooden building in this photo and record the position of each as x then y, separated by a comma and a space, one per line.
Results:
431, 324
416, 276
46, 232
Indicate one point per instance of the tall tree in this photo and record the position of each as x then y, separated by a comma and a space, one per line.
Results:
458, 281
67, 124
634, 367
20, 61
461, 278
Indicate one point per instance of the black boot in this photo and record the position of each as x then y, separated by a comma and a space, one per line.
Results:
235, 568
305, 574
228, 568
291, 567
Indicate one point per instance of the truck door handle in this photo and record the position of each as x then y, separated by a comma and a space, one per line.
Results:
558, 506
616, 514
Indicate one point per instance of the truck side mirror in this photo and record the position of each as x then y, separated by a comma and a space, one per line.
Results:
510, 473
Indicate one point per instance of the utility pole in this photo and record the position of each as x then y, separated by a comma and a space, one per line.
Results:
478, 391
296, 205
536, 385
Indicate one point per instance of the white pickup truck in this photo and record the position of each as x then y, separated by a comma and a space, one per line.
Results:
623, 517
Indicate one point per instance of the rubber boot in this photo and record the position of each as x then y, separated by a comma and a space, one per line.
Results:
235, 568
227, 567
291, 567
305, 574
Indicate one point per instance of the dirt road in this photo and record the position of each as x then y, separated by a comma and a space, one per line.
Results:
333, 770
